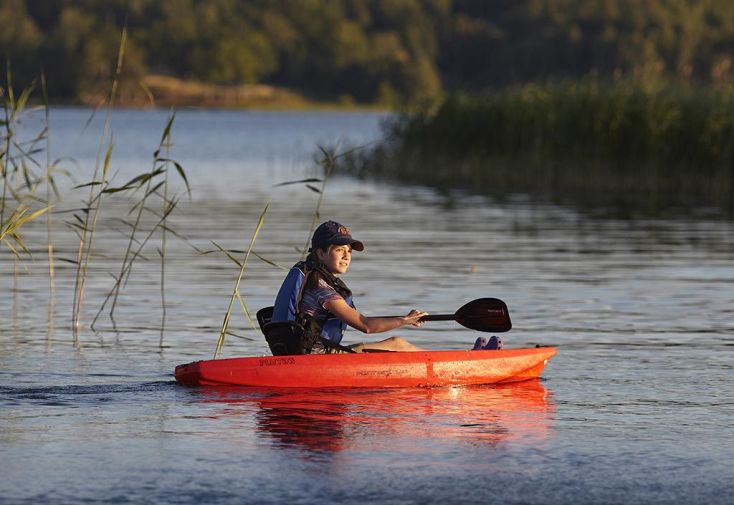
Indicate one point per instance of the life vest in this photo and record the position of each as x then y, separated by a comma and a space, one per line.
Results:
287, 301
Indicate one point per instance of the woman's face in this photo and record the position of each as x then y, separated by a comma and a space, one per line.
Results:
337, 258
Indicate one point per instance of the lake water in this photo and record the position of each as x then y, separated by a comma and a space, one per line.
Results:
637, 406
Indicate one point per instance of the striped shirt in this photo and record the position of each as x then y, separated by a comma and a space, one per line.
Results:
314, 300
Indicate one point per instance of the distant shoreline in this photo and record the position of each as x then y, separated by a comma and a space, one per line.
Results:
164, 91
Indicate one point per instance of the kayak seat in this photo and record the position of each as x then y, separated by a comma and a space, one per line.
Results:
287, 337
284, 337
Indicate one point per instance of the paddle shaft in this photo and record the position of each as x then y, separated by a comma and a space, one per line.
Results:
439, 317
432, 317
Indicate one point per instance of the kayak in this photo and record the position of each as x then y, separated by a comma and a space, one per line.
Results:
370, 369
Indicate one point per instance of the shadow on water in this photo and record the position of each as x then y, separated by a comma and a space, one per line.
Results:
332, 421
79, 395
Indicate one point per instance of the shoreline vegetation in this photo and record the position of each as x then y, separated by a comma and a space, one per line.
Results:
620, 148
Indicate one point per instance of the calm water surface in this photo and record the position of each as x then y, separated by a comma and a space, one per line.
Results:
636, 408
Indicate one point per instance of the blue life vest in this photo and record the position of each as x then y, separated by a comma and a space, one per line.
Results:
285, 308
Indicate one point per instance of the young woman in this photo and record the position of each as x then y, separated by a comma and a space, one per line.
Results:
314, 296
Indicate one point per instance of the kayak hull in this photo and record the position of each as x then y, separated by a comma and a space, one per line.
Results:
382, 369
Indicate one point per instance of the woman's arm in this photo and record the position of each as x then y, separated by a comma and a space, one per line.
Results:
355, 319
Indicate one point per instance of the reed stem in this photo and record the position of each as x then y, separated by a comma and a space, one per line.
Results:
164, 229
95, 196
7, 103
145, 181
137, 252
236, 292
49, 181
328, 161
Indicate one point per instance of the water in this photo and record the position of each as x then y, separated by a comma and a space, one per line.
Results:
636, 407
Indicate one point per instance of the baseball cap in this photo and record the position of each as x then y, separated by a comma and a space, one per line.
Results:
333, 233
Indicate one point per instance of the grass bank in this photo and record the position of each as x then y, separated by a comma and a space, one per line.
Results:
624, 147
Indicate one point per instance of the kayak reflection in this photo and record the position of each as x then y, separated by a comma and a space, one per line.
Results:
335, 420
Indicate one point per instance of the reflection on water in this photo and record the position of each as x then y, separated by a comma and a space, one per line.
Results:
337, 420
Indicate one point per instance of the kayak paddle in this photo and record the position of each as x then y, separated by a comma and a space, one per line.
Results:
482, 314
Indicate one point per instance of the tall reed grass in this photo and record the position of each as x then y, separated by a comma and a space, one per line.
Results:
327, 162
21, 173
29, 189
150, 184
585, 142
236, 291
51, 188
87, 222
23, 177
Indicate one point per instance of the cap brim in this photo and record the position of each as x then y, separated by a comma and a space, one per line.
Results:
356, 244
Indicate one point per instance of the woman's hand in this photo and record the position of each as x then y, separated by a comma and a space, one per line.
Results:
414, 318
355, 319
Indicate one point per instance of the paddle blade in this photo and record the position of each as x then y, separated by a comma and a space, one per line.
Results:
485, 314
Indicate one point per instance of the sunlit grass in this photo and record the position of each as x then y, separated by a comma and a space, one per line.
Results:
21, 173
10, 229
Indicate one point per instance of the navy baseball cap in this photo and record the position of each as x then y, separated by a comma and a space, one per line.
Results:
333, 233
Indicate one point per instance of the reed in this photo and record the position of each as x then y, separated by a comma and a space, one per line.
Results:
236, 292
166, 145
5, 152
10, 229
51, 191
151, 183
17, 159
141, 244
50, 186
654, 145
14, 155
328, 163
86, 224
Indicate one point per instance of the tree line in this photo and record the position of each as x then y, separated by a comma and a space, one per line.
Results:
387, 51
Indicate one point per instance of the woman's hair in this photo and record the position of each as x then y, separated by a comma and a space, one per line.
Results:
313, 259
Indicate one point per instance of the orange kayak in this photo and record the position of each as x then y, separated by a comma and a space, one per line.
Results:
376, 369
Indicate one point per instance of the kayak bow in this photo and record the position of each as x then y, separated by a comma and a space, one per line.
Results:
384, 369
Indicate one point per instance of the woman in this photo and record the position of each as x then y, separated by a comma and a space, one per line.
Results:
314, 296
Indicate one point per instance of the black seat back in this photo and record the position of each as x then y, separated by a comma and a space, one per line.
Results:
288, 337
264, 316
284, 337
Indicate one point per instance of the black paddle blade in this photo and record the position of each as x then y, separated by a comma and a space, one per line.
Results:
485, 314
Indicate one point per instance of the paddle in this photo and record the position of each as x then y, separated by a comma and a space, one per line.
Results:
482, 314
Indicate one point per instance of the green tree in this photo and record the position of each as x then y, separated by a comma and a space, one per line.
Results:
20, 40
